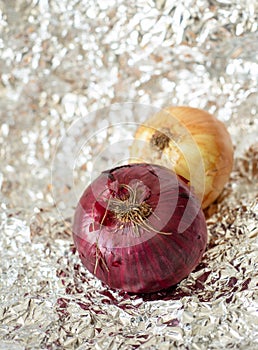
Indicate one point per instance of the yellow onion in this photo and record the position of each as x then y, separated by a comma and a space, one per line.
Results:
191, 142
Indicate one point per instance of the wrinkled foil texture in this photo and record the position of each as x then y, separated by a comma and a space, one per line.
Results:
63, 61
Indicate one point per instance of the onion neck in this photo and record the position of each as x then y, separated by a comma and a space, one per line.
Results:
131, 207
128, 204
160, 140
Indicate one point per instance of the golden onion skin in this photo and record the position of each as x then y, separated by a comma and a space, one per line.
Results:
185, 127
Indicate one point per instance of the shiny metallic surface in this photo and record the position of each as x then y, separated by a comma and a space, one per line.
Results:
74, 76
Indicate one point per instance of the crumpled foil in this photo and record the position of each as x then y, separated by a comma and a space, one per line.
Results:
67, 70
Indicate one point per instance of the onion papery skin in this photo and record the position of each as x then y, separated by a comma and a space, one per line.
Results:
155, 258
213, 147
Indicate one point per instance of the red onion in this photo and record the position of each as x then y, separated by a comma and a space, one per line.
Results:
139, 228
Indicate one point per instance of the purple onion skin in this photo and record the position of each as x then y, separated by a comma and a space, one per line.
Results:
148, 261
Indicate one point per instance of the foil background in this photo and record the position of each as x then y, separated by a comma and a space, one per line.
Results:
64, 60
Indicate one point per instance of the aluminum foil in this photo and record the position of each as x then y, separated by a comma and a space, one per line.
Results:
75, 79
